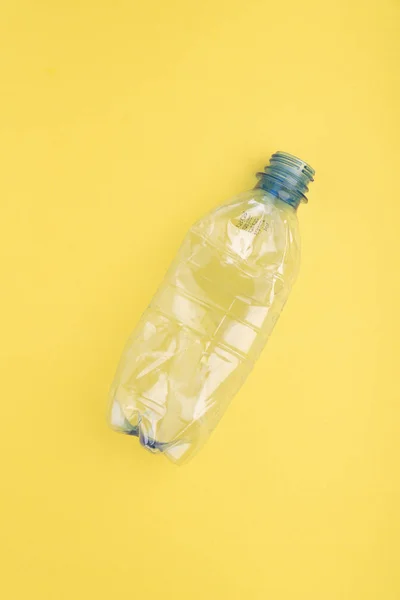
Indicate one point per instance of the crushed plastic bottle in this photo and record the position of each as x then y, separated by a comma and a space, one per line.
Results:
205, 327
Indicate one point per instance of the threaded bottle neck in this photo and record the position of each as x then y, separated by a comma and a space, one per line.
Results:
286, 177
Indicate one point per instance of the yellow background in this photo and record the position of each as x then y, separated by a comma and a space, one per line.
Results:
120, 124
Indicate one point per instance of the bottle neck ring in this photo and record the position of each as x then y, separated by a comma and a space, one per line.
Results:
286, 177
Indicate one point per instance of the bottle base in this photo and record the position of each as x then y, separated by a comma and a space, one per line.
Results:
177, 451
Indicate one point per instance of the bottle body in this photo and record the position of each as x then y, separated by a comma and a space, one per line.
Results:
207, 324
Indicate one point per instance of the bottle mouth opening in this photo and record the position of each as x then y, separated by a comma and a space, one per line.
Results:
293, 164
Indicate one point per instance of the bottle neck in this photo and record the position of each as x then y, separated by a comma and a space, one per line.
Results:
287, 178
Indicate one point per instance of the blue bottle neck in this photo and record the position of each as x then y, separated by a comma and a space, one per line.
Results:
287, 178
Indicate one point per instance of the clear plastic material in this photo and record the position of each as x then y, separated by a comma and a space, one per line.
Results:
197, 341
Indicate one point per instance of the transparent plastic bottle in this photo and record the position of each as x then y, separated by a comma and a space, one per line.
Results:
207, 324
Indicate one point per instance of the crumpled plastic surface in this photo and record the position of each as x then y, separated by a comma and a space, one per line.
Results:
197, 341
